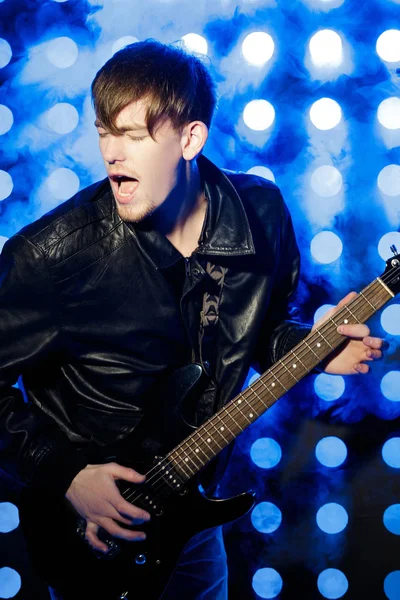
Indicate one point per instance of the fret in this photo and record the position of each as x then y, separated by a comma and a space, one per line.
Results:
309, 347
268, 389
299, 360
187, 458
289, 371
210, 436
198, 445
280, 383
239, 401
352, 314
249, 405
323, 337
234, 420
194, 452
253, 391
220, 429
211, 422
366, 299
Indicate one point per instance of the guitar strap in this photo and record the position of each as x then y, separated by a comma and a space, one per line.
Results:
209, 317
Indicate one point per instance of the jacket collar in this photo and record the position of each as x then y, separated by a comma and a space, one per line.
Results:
226, 230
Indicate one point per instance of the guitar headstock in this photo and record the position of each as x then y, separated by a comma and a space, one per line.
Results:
391, 276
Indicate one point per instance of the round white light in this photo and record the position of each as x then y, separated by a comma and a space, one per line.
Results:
63, 183
195, 43
258, 47
62, 117
62, 52
387, 240
122, 42
262, 172
326, 48
9, 517
389, 113
6, 119
259, 115
326, 247
389, 180
5, 53
390, 386
321, 311
326, 181
325, 114
390, 319
6, 185
329, 387
388, 45
10, 582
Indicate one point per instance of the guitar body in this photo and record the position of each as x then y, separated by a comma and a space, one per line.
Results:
68, 564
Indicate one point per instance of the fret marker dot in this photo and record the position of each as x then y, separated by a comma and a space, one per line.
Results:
251, 415
222, 428
345, 321
318, 345
209, 440
294, 366
273, 384
239, 402
197, 449
186, 459
170, 476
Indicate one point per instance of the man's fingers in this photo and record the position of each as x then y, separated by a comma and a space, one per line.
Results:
373, 342
125, 473
374, 354
120, 532
131, 512
356, 330
361, 368
92, 539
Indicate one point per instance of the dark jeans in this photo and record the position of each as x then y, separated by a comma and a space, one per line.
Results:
201, 573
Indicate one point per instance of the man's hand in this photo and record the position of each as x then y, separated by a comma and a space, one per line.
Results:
360, 347
95, 496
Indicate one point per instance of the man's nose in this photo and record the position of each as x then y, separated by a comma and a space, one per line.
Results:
112, 149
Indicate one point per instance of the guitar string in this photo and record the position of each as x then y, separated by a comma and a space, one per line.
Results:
165, 462
230, 407
168, 464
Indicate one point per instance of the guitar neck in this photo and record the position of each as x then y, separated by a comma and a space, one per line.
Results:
216, 433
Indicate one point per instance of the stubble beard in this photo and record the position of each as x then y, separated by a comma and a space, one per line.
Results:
135, 213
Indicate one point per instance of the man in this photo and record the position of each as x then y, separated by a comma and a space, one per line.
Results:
168, 261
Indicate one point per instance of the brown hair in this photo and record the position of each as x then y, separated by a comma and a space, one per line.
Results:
177, 84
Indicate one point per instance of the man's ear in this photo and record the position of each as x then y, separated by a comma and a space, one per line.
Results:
194, 137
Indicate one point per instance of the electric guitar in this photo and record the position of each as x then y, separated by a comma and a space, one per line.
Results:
171, 492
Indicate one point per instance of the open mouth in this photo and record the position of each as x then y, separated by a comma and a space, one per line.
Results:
124, 187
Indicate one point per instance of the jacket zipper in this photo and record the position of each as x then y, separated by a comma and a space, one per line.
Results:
187, 267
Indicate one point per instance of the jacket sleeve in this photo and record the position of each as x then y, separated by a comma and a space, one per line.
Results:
33, 449
282, 329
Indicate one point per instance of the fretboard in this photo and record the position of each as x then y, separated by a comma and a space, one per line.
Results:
217, 432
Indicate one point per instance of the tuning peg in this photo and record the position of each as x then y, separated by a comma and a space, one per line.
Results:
393, 249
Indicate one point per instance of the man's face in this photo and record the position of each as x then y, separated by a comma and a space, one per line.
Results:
142, 171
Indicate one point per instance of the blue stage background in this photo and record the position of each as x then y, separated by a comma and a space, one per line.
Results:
309, 96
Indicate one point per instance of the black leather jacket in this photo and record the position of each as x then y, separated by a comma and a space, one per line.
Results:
89, 320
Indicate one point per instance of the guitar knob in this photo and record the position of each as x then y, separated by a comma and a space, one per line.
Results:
140, 559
